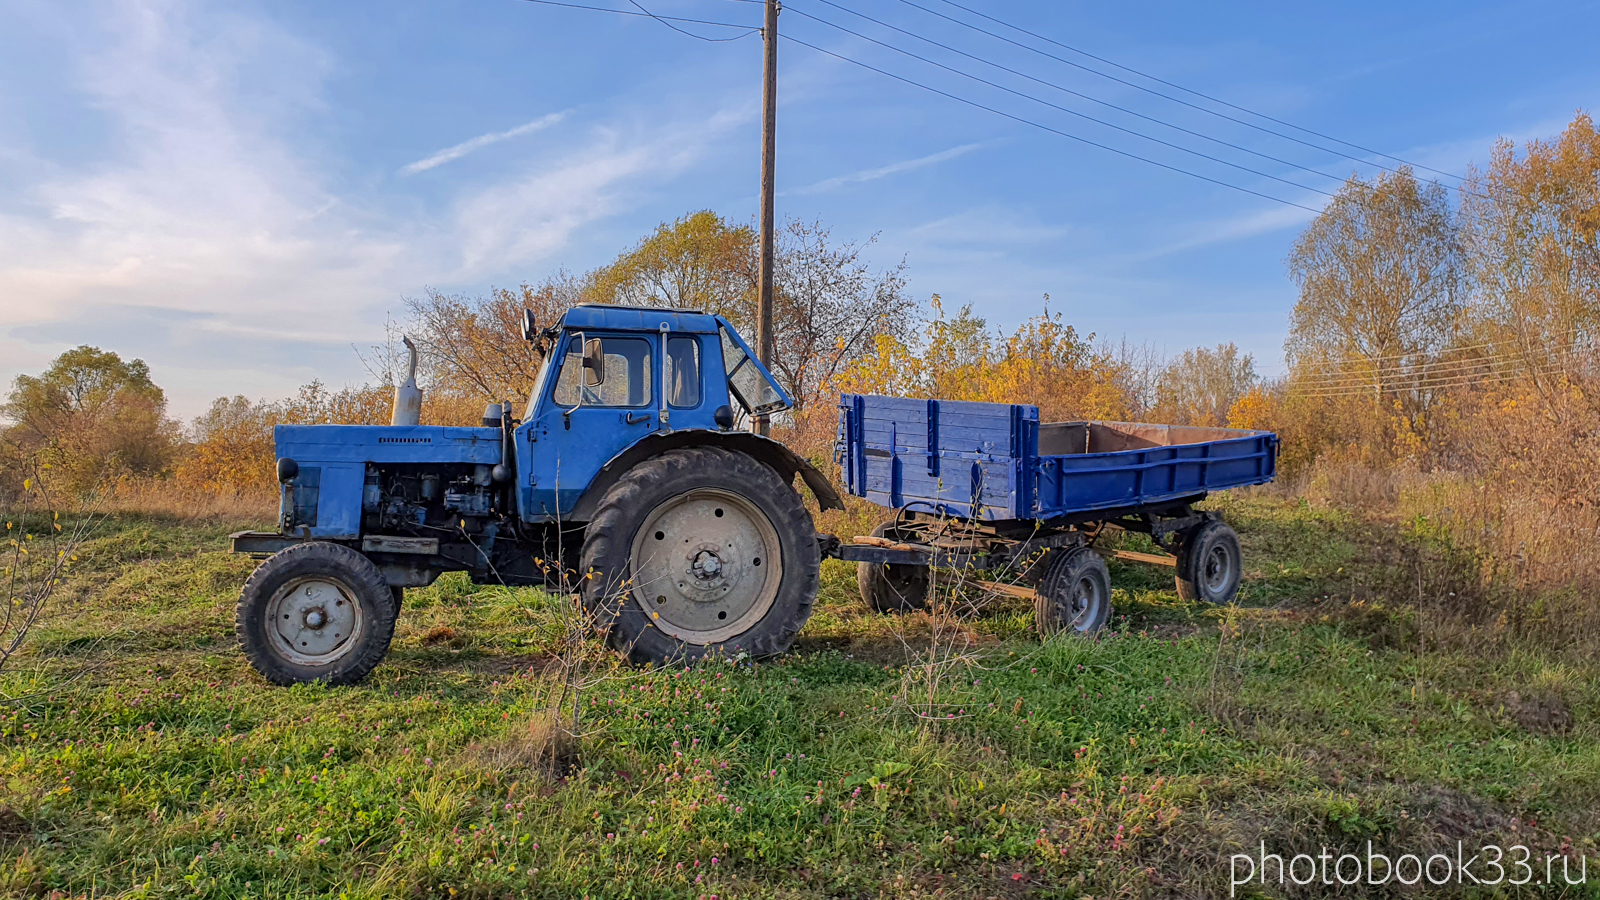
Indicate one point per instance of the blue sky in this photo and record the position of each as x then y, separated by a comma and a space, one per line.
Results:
239, 192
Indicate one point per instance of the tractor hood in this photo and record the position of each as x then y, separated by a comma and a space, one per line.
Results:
322, 491
387, 444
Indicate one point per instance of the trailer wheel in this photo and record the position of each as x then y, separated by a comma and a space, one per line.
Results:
700, 551
1209, 564
892, 588
1074, 594
315, 612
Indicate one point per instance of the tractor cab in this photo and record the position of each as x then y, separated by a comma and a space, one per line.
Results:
614, 376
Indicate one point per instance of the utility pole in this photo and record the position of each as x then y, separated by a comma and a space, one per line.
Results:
769, 126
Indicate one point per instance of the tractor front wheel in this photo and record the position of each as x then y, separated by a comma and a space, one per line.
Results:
317, 611
700, 551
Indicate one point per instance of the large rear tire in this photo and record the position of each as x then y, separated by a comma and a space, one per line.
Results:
315, 612
892, 588
1074, 593
1209, 564
697, 552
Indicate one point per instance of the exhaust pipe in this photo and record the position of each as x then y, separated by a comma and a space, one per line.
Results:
407, 396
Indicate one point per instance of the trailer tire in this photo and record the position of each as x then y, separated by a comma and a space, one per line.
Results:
697, 552
1074, 593
1209, 564
892, 588
316, 611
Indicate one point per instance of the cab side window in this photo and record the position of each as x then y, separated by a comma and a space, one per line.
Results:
683, 372
625, 381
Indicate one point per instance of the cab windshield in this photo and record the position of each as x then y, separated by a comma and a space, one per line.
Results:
750, 386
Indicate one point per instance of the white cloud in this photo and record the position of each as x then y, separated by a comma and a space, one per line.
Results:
481, 141
1245, 225
209, 236
907, 165
534, 214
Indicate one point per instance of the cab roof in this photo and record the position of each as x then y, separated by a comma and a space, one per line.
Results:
607, 317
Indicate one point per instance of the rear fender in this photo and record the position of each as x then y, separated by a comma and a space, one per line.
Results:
778, 457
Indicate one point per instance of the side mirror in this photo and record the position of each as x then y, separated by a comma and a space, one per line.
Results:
594, 363
530, 328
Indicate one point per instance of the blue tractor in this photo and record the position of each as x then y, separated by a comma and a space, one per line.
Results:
626, 482
623, 479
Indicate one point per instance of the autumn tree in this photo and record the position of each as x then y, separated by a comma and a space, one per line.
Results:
1044, 362
1202, 385
473, 348
829, 305
232, 448
1530, 230
1379, 272
696, 262
90, 417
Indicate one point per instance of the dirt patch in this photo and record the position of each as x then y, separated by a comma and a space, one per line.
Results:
1457, 816
442, 636
13, 827
1541, 712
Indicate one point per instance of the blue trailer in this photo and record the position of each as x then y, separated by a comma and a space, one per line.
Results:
627, 481
986, 485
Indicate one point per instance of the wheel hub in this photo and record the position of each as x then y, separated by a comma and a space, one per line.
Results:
1218, 569
705, 565
313, 621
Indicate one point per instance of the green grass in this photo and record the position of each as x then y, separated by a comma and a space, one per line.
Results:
142, 757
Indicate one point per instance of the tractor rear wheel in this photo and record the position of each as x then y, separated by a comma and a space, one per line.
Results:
890, 588
317, 611
1074, 593
696, 552
1209, 565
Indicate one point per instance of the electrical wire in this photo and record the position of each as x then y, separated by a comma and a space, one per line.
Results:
659, 18
1059, 108
1015, 118
1429, 376
1177, 100
698, 37
1463, 348
1476, 378
1067, 90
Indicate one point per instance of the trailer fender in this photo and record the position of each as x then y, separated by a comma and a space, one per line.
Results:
775, 455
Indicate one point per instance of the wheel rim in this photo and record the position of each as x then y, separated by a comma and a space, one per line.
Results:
313, 621
1218, 569
706, 565
1085, 603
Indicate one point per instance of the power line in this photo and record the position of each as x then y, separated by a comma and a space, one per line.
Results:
1067, 90
646, 14
1059, 108
1043, 127
698, 37
1460, 349
1178, 100
1457, 381
1450, 374
1423, 373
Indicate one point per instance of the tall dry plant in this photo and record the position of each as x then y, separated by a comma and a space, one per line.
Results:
39, 553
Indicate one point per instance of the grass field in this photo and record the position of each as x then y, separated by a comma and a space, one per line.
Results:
141, 757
